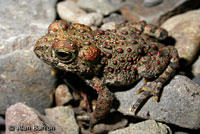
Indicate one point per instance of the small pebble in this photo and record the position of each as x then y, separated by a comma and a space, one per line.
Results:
90, 19
151, 3
197, 79
109, 25
69, 11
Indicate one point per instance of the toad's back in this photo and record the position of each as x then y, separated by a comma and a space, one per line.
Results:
121, 48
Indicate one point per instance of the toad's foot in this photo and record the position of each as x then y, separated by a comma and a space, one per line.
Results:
148, 90
153, 88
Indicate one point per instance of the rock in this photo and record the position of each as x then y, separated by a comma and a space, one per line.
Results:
62, 95
104, 128
151, 3
185, 29
23, 119
90, 19
2, 125
102, 6
134, 10
2, 121
23, 23
196, 66
145, 127
69, 11
114, 17
2, 132
64, 117
109, 25
181, 133
179, 103
197, 79
23, 77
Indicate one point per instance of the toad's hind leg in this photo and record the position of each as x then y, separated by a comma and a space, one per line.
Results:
153, 88
104, 101
150, 30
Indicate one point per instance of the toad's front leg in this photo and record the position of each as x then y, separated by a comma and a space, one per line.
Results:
153, 88
104, 101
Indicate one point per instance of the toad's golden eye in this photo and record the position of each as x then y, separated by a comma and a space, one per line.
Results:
65, 56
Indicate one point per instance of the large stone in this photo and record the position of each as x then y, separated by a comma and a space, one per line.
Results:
21, 119
23, 77
105, 128
64, 117
181, 133
22, 22
197, 79
69, 11
134, 10
2, 121
114, 17
179, 103
151, 3
103, 6
185, 28
90, 19
109, 25
145, 127
196, 67
2, 125
62, 95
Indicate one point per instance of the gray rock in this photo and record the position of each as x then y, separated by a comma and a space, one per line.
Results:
64, 117
145, 127
109, 25
20, 117
181, 133
116, 2
103, 6
2, 124
69, 11
185, 29
62, 95
197, 79
90, 19
151, 3
2, 121
22, 22
104, 128
134, 10
114, 17
179, 103
23, 77
196, 66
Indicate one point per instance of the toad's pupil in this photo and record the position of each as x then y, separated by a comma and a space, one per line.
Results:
63, 55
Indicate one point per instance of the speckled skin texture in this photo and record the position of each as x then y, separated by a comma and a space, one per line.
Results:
117, 57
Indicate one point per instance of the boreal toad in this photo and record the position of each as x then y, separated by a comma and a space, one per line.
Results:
116, 57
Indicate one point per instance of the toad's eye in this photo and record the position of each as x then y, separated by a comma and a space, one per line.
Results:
65, 56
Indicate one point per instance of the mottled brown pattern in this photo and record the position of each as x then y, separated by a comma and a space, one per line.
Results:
117, 57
